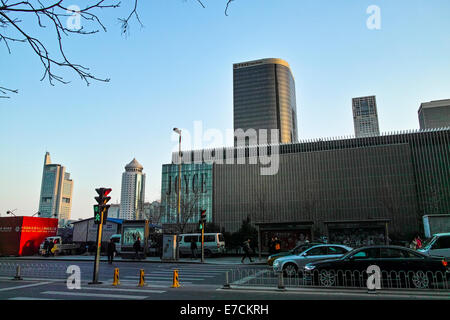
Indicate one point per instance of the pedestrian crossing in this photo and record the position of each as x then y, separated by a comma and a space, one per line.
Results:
186, 274
91, 292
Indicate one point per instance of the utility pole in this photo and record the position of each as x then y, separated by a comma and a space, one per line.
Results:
202, 226
179, 193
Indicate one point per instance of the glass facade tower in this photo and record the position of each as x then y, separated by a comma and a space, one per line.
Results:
56, 191
264, 98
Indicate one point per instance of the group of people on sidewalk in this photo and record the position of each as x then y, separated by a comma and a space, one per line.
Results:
48, 246
416, 243
112, 251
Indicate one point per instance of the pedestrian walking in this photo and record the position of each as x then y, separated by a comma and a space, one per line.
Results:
246, 247
137, 248
193, 248
277, 245
111, 250
419, 242
50, 247
46, 248
413, 244
272, 246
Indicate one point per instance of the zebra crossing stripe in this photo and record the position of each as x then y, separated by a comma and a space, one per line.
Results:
125, 290
25, 286
95, 295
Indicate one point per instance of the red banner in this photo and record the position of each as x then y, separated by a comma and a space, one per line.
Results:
23, 235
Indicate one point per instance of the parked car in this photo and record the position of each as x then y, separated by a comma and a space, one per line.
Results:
290, 265
437, 246
298, 249
401, 264
214, 243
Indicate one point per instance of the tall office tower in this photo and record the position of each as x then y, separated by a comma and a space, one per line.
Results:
133, 191
264, 98
56, 191
365, 117
434, 114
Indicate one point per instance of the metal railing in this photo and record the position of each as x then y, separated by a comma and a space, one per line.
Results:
417, 280
33, 270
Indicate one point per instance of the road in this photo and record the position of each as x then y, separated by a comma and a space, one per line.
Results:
48, 280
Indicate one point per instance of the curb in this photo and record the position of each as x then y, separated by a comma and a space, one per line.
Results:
129, 260
336, 292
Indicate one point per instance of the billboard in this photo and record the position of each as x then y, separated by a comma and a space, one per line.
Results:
86, 230
21, 236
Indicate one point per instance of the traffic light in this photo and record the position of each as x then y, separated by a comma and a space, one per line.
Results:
203, 216
97, 215
202, 220
102, 206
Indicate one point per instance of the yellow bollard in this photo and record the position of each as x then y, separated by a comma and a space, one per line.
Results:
176, 283
116, 281
141, 278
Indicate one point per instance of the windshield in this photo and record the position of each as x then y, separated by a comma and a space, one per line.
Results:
300, 249
428, 242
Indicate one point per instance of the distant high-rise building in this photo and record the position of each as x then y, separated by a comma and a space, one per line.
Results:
152, 211
365, 117
56, 191
133, 191
264, 98
114, 211
434, 114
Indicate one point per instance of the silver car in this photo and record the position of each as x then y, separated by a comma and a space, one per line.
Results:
292, 263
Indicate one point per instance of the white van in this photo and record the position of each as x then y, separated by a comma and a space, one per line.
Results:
214, 243
438, 245
117, 239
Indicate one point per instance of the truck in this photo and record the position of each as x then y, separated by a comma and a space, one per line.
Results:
436, 223
85, 233
59, 247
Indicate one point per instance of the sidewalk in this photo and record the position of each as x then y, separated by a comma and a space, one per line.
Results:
228, 260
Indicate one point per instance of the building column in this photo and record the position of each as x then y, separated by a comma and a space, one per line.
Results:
259, 242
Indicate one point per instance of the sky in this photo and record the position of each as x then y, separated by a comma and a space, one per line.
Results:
177, 69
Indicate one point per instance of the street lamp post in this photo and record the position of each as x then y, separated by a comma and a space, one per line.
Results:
178, 191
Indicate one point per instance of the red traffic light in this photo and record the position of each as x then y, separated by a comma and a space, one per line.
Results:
103, 192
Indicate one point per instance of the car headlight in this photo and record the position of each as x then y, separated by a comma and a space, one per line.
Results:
309, 267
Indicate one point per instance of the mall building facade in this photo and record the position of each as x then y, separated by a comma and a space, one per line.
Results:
351, 190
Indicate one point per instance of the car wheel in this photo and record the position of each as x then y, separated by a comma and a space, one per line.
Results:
420, 280
290, 270
326, 278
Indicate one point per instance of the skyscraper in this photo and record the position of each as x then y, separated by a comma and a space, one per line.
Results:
264, 98
365, 117
434, 114
56, 191
133, 191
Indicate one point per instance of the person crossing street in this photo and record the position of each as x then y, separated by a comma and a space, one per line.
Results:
246, 247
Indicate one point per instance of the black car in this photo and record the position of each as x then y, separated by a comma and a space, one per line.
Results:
400, 268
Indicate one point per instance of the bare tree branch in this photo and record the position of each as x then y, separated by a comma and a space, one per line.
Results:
4, 92
56, 14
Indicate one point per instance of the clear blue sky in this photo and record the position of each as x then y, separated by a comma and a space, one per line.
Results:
178, 69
